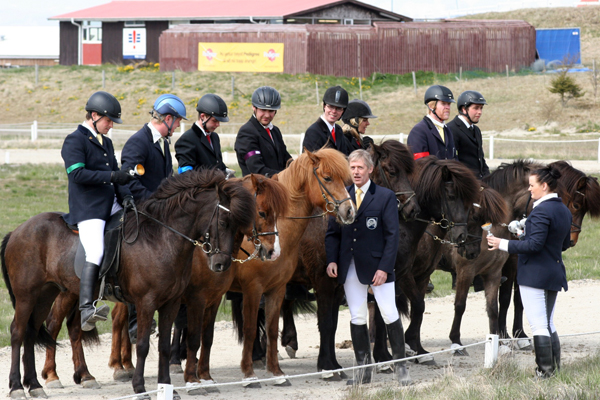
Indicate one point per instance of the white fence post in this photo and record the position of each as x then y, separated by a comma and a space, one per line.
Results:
34, 132
6, 157
401, 138
491, 351
599, 150
491, 147
165, 392
301, 141
182, 126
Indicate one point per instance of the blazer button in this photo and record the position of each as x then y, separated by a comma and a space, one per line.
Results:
104, 154
355, 240
558, 261
106, 163
351, 249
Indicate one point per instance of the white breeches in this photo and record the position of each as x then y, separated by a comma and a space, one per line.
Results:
539, 305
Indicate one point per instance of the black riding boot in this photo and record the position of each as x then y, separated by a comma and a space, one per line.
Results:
555, 351
396, 337
543, 356
90, 314
362, 352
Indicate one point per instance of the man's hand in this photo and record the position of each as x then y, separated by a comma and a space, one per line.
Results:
128, 202
120, 177
379, 278
332, 270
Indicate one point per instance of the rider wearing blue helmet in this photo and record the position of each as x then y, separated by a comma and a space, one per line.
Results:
150, 147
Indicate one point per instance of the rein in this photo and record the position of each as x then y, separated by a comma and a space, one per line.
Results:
388, 185
324, 192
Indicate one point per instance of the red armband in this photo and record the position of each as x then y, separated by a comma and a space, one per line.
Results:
419, 155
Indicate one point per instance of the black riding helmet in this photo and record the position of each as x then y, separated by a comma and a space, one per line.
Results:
336, 96
213, 105
266, 98
105, 104
469, 97
439, 93
357, 109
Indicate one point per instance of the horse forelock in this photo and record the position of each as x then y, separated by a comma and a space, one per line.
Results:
493, 207
507, 175
570, 179
465, 183
398, 155
430, 185
276, 197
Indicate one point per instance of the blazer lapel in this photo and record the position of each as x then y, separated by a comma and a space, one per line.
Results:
368, 198
468, 133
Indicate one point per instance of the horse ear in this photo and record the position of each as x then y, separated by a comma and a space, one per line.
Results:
582, 183
315, 160
374, 150
257, 183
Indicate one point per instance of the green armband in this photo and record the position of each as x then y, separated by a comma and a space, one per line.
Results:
74, 167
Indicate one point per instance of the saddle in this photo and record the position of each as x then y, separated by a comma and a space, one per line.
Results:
110, 262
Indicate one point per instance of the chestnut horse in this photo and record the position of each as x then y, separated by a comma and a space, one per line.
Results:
196, 204
271, 200
313, 180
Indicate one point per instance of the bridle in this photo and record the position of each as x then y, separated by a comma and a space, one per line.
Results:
387, 184
331, 206
577, 227
204, 242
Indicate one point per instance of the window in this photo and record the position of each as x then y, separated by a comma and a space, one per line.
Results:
131, 24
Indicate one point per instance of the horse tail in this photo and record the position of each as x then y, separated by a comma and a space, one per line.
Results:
5, 270
302, 307
238, 317
43, 338
402, 304
88, 338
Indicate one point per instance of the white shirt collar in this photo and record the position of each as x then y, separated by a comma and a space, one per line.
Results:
436, 122
544, 198
327, 123
463, 119
364, 188
91, 129
155, 133
270, 126
199, 125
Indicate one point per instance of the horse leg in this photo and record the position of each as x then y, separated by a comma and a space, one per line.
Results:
177, 341
289, 335
509, 270
464, 277
518, 321
18, 332
195, 320
145, 312
119, 322
335, 312
273, 302
61, 307
327, 315
250, 311
208, 333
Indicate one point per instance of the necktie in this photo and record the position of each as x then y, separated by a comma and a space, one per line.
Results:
161, 144
99, 137
441, 132
209, 141
269, 132
333, 134
358, 197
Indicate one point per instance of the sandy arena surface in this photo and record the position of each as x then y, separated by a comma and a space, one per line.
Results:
574, 309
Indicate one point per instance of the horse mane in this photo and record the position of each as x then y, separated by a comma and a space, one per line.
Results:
277, 198
398, 154
431, 174
330, 161
570, 178
507, 174
493, 206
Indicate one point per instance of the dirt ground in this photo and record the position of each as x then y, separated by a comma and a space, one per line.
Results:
572, 316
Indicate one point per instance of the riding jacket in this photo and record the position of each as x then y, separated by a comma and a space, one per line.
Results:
469, 147
318, 135
193, 151
89, 165
141, 149
424, 140
257, 152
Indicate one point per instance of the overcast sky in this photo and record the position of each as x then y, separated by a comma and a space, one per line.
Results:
37, 12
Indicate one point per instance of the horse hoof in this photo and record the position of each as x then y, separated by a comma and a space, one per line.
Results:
175, 369
143, 397
250, 383
331, 376
457, 351
409, 352
502, 350
386, 369
120, 375
194, 389
283, 382
176, 395
210, 389
55, 384
90, 384
258, 364
425, 359
523, 344
18, 394
38, 393
290, 351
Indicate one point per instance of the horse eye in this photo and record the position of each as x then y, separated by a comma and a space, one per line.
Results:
576, 206
262, 214
327, 178
222, 224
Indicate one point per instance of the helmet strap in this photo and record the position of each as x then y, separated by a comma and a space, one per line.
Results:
94, 123
205, 122
466, 114
433, 111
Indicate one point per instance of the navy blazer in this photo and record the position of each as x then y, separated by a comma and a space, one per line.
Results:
424, 140
372, 240
192, 150
89, 165
318, 134
547, 235
469, 147
141, 149
257, 153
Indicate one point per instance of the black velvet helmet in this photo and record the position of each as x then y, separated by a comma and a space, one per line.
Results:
213, 105
266, 98
106, 104
336, 96
439, 93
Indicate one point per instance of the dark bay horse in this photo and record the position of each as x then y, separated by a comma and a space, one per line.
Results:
271, 200
199, 205
313, 180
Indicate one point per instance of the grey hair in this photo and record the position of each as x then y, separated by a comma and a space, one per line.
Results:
361, 154
156, 115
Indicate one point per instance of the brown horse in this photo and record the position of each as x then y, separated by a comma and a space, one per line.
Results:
271, 200
313, 180
196, 204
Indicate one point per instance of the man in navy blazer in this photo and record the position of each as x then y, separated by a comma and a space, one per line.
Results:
363, 254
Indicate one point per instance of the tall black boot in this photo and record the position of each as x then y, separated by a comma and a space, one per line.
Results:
90, 314
362, 352
396, 337
555, 351
543, 356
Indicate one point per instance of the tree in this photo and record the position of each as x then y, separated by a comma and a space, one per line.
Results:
565, 87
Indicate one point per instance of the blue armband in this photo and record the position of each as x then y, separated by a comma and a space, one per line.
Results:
181, 170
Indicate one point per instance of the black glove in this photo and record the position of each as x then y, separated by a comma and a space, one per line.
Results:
128, 202
367, 142
120, 177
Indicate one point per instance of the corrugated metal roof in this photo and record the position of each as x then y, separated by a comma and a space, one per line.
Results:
147, 10
29, 41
